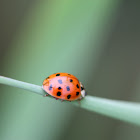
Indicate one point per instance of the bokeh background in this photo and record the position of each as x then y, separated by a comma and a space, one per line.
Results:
98, 41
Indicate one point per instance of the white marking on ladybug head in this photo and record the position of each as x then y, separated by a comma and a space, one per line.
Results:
83, 92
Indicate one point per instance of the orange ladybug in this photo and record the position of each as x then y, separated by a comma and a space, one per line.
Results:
64, 86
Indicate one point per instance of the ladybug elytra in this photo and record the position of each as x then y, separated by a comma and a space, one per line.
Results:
64, 86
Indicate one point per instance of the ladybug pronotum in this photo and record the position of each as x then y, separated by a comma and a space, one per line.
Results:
64, 86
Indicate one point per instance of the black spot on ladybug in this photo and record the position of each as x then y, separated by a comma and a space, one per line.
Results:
59, 88
60, 81
77, 93
50, 87
68, 88
47, 77
82, 88
71, 80
69, 74
68, 97
58, 74
77, 86
58, 93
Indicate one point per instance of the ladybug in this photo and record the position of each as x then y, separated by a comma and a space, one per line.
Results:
64, 86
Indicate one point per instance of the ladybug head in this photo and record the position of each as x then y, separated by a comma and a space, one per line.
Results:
83, 92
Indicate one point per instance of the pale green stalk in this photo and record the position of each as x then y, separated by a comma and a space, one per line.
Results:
122, 110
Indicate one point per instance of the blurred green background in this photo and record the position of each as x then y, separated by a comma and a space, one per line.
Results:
98, 41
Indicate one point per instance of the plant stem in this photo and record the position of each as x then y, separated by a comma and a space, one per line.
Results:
122, 110
19, 84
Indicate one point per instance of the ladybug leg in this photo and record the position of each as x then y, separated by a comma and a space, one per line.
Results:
62, 100
45, 95
79, 101
55, 98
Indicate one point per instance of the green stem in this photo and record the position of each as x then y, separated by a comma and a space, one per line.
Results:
122, 110
19, 84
